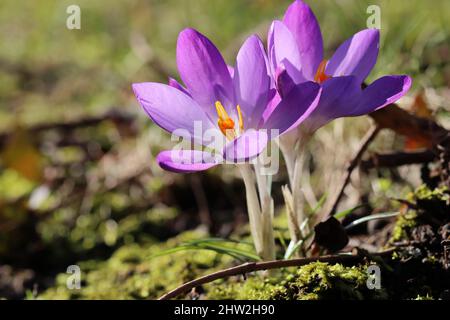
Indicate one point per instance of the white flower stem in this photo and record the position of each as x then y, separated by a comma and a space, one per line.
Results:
267, 210
289, 156
297, 193
260, 216
294, 158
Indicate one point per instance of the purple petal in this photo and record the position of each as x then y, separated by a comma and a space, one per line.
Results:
339, 96
284, 51
246, 147
175, 84
231, 71
251, 81
273, 103
356, 56
284, 82
185, 161
303, 24
381, 93
294, 108
172, 110
204, 71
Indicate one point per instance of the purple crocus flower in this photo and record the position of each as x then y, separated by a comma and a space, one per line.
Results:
296, 55
224, 100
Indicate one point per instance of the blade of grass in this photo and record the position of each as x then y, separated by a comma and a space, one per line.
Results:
385, 215
345, 213
282, 240
292, 248
319, 204
207, 240
213, 245
225, 249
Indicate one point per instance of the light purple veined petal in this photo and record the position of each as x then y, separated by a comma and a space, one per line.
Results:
175, 84
247, 147
284, 51
339, 97
356, 56
251, 81
186, 161
303, 24
294, 108
381, 93
204, 72
173, 110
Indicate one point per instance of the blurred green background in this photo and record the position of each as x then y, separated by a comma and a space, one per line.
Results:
77, 176
74, 72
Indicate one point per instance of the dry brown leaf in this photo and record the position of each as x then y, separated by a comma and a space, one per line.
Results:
406, 124
22, 156
420, 109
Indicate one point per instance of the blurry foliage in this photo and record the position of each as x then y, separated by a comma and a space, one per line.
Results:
13, 186
21, 155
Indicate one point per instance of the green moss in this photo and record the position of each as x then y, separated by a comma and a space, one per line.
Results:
424, 193
311, 282
254, 287
428, 202
133, 273
405, 223
324, 281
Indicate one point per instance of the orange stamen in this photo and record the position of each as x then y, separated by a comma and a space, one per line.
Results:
321, 77
225, 123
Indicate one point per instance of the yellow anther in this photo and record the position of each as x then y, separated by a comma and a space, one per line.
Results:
321, 77
221, 112
241, 118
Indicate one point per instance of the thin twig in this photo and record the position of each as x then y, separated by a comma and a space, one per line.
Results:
269, 265
367, 140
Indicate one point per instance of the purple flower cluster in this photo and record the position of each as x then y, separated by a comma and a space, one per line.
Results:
291, 86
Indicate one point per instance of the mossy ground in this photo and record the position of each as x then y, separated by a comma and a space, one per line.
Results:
134, 273
316, 281
426, 204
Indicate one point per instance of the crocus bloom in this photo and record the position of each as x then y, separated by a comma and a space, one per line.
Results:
224, 100
296, 55
231, 103
295, 49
